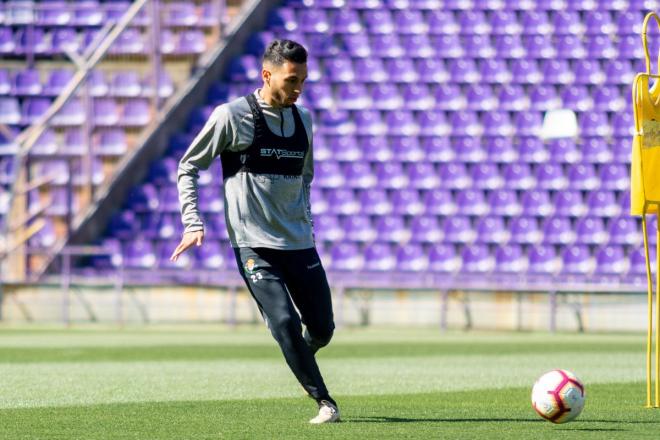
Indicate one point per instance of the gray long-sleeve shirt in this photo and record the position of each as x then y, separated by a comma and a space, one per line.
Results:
271, 211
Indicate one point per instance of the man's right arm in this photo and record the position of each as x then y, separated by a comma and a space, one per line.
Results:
206, 146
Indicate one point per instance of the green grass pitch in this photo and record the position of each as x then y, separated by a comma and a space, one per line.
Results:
209, 382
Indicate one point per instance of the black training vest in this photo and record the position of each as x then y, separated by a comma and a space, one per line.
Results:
268, 153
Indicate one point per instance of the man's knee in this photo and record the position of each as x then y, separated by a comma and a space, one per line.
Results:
317, 338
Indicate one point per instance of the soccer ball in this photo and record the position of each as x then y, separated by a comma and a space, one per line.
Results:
558, 396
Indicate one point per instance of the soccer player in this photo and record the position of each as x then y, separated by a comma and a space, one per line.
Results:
264, 142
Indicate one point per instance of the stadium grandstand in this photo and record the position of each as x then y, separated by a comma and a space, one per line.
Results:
431, 171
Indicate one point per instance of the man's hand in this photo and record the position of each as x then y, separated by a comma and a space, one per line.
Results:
188, 240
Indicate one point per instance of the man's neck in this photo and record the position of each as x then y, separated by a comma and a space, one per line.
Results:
268, 97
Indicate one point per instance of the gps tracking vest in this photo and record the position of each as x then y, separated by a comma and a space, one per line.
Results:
645, 166
268, 153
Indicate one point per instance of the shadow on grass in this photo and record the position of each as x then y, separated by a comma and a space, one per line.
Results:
386, 419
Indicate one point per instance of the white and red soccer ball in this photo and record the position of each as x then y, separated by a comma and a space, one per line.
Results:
558, 396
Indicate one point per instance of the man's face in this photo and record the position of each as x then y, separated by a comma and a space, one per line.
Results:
285, 81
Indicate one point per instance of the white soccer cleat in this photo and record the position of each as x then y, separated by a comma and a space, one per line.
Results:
328, 413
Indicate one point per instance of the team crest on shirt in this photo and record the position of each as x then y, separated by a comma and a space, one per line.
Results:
250, 265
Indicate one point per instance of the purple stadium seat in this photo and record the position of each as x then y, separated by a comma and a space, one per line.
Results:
112, 142
603, 203
543, 260
433, 123
411, 257
346, 256
465, 124
124, 225
439, 202
329, 175
477, 259
510, 259
328, 228
532, 150
550, 176
588, 73
358, 175
423, 175
379, 257
504, 22
596, 151
72, 113
442, 22
544, 97
567, 23
463, 70
10, 112
386, 46
558, 231
480, 98
473, 23
556, 71
106, 112
535, 23
343, 148
637, 260
624, 231
139, 253
27, 83
611, 260
628, 48
401, 70
417, 97
478, 46
528, 123
401, 123
211, 255
629, 23
336, 122
539, 46
313, 20
457, 229
356, 45
425, 229
282, 19
136, 112
46, 143
406, 148
418, 46
375, 148
601, 47
443, 258
191, 42
342, 201
618, 72
319, 96
88, 13
563, 150
500, 149
126, 84
512, 98
33, 108
492, 230
614, 176
622, 124
353, 96
525, 230
486, 176
577, 98
369, 70
511, 47
66, 40
518, 176
409, 22
504, 202
569, 203
454, 175
591, 231
374, 202
358, 228
143, 198
407, 202
57, 80
451, 44
494, 71
391, 175
577, 260
582, 176
7, 43
379, 21
449, 97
